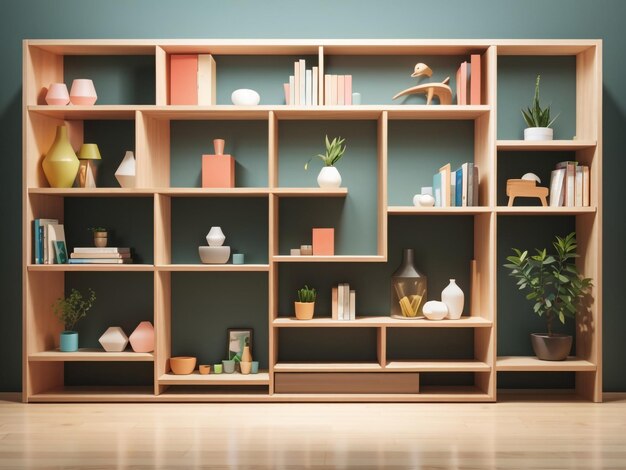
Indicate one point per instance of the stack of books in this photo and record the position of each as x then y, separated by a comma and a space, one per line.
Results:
192, 79
303, 86
569, 185
343, 302
337, 90
107, 255
457, 188
49, 242
468, 81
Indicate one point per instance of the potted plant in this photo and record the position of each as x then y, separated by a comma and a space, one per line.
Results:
306, 303
69, 310
329, 176
538, 119
556, 289
100, 236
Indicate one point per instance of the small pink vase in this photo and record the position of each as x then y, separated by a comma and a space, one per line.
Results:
57, 95
219, 146
142, 339
83, 93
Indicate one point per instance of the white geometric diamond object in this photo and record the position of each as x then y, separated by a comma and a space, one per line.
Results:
114, 339
127, 171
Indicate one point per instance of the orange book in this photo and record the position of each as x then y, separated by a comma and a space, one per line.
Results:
348, 92
341, 89
184, 79
475, 79
463, 84
323, 241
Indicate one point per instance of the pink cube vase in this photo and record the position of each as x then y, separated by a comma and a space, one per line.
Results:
142, 339
83, 92
218, 171
323, 241
57, 95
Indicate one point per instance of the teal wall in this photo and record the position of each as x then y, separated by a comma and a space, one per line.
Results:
328, 19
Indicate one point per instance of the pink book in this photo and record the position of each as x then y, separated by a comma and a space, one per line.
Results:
326, 90
184, 79
333, 90
458, 85
286, 87
341, 89
475, 80
348, 93
296, 84
463, 83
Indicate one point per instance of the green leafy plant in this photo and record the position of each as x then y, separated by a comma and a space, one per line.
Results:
306, 295
334, 151
552, 281
97, 229
534, 115
69, 310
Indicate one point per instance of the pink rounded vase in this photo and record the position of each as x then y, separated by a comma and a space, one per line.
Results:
57, 95
83, 93
142, 339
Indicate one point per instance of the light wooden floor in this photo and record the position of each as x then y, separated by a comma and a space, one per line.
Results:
513, 434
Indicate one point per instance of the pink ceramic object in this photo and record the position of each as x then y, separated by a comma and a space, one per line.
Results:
57, 95
142, 339
219, 146
83, 93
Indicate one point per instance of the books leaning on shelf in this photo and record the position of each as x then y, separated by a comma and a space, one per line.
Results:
41, 247
457, 188
569, 185
302, 88
468, 81
192, 79
337, 90
108, 255
343, 302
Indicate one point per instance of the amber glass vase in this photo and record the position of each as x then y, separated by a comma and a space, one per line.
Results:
408, 289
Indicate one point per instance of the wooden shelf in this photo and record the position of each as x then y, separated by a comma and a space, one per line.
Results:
310, 192
426, 394
90, 355
94, 394
330, 259
412, 210
262, 378
374, 322
538, 210
90, 267
93, 192
327, 367
439, 365
550, 145
213, 267
208, 192
72, 112
532, 364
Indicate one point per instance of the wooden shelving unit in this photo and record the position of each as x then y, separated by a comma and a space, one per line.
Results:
43, 365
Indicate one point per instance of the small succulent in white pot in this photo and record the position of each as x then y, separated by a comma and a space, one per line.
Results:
329, 176
538, 119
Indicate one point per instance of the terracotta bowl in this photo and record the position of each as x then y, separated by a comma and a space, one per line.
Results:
182, 365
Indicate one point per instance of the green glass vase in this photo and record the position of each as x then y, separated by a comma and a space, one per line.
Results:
60, 164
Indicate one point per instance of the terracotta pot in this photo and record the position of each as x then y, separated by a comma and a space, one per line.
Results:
245, 367
100, 239
182, 365
551, 348
204, 369
304, 310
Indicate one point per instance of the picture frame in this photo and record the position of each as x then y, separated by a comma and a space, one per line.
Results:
235, 341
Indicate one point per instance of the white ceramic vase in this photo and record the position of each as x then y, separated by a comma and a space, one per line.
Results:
215, 237
245, 97
423, 200
454, 299
538, 133
435, 310
126, 173
329, 177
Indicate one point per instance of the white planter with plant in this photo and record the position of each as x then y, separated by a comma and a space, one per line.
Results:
556, 290
538, 119
70, 310
305, 306
329, 176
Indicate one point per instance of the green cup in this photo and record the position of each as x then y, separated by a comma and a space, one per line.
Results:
217, 368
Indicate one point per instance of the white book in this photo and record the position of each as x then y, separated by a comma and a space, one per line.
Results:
206, 79
314, 87
292, 89
570, 182
100, 261
56, 233
302, 92
308, 84
578, 191
108, 249
585, 185
296, 83
465, 170
340, 302
352, 305
556, 187
44, 223
100, 255
346, 301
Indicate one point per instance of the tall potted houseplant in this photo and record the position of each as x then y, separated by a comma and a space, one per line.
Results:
70, 310
538, 119
329, 176
556, 290
305, 305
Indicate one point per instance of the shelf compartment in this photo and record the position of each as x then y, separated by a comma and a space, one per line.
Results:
89, 267
412, 210
90, 355
93, 394
213, 267
551, 145
374, 322
532, 364
327, 367
347, 382
539, 210
441, 365
93, 192
262, 378
310, 192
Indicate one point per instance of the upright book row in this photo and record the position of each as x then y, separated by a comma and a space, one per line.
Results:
569, 185
457, 188
343, 302
303, 86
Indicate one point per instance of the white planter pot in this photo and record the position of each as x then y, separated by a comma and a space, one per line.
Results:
329, 177
454, 299
423, 200
215, 237
245, 97
127, 171
538, 133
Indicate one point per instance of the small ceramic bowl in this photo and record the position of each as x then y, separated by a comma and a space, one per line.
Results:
182, 365
204, 369
214, 254
435, 310
229, 366
245, 97
217, 368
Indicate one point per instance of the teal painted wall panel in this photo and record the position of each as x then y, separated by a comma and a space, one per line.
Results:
202, 19
113, 138
339, 345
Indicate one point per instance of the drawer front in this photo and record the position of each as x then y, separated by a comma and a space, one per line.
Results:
346, 382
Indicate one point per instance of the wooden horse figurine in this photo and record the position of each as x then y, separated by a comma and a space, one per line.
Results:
441, 90
526, 187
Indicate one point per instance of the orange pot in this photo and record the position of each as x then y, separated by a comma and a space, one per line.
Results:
182, 365
304, 310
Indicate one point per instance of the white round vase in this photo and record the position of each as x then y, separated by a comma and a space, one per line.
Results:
215, 237
454, 299
423, 200
245, 97
435, 310
538, 133
329, 177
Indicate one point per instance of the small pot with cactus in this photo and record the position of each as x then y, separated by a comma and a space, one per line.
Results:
538, 119
329, 176
70, 310
555, 288
305, 305
100, 236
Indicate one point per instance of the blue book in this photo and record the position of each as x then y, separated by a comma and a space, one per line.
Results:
437, 189
458, 195
36, 242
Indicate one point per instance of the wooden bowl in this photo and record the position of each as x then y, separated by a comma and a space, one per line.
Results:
182, 365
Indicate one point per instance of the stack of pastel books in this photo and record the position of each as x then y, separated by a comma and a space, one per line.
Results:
107, 255
343, 302
303, 86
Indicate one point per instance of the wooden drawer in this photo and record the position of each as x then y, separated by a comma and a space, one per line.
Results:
346, 382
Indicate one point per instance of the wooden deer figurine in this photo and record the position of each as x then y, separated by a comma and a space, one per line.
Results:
439, 89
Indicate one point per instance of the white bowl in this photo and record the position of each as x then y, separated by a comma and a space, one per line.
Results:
435, 310
214, 254
245, 97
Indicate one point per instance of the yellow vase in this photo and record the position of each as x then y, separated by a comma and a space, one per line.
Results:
61, 163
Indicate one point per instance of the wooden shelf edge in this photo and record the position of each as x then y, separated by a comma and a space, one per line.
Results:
90, 355
327, 367
412, 210
374, 322
262, 378
330, 259
441, 365
537, 210
213, 267
551, 145
532, 364
89, 267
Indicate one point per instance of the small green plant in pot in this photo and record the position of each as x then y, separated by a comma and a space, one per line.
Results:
70, 310
556, 290
100, 236
329, 176
305, 305
538, 119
